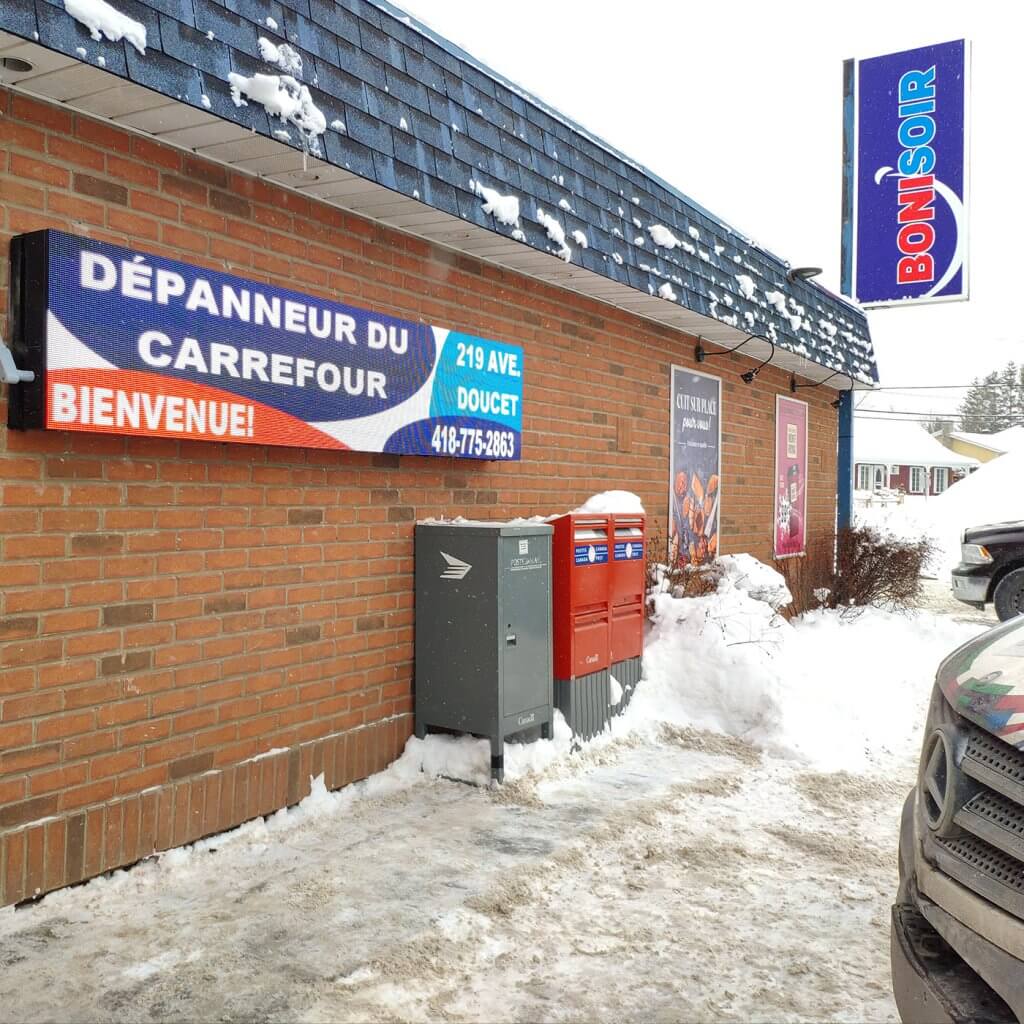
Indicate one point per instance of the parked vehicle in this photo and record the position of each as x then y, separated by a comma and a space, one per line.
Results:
957, 940
991, 568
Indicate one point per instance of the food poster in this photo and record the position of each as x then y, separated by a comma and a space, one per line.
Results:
695, 465
790, 477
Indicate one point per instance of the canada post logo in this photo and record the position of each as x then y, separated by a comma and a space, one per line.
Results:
906, 192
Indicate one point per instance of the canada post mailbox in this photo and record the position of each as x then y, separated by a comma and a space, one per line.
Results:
581, 583
483, 630
628, 601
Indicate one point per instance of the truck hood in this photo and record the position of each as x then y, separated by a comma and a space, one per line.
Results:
974, 533
984, 681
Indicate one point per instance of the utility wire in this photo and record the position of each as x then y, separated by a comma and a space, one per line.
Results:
944, 387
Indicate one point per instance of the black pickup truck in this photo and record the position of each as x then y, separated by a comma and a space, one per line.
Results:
991, 568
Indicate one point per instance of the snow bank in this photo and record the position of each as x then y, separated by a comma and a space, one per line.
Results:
834, 691
623, 502
469, 759
760, 581
103, 20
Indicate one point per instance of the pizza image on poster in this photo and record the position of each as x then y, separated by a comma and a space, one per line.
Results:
790, 477
695, 467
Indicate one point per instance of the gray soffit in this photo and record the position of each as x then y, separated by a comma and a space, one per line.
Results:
412, 122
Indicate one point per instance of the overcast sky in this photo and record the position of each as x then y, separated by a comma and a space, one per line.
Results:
739, 106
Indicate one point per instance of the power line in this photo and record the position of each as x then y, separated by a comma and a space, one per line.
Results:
912, 412
944, 387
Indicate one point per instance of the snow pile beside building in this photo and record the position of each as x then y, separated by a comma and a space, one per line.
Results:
760, 581
835, 691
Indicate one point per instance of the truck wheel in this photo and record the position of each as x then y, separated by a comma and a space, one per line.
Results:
1009, 595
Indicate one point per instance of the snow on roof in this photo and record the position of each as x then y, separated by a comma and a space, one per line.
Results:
902, 443
417, 115
1009, 440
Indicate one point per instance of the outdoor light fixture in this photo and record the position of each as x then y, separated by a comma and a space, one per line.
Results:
793, 386
802, 273
16, 64
748, 376
838, 400
701, 353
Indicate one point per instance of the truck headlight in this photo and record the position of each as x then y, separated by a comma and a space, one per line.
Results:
974, 554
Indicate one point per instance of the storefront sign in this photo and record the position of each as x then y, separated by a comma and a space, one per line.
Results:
127, 343
695, 467
905, 193
790, 477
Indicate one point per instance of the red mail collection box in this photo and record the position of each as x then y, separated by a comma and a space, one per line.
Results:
628, 586
581, 590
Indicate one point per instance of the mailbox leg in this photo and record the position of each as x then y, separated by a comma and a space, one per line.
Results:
421, 730
546, 731
498, 758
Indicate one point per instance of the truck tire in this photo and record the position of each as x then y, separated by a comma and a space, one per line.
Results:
1009, 595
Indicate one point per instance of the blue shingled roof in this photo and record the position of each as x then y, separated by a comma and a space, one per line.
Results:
424, 118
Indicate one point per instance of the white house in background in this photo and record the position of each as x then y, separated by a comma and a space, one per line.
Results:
984, 447
900, 455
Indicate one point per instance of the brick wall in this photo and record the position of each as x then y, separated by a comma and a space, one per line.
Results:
171, 610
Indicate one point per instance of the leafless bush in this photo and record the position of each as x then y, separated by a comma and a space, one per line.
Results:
810, 577
856, 568
680, 580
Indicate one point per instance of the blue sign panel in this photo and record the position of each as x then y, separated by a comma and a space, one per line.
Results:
628, 550
591, 554
140, 344
905, 197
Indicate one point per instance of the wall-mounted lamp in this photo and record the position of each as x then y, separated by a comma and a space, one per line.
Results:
802, 273
793, 386
838, 400
748, 375
16, 65
701, 353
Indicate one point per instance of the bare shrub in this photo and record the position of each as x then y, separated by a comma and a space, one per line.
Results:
859, 567
679, 580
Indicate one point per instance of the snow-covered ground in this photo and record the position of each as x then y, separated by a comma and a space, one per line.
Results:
727, 852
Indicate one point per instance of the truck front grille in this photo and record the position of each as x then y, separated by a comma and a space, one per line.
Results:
988, 854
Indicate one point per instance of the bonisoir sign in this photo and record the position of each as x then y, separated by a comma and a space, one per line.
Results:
128, 343
905, 196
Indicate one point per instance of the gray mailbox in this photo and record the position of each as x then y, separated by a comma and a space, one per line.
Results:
483, 630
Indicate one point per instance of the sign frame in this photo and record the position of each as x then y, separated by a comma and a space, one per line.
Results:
776, 553
673, 369
132, 344
851, 184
